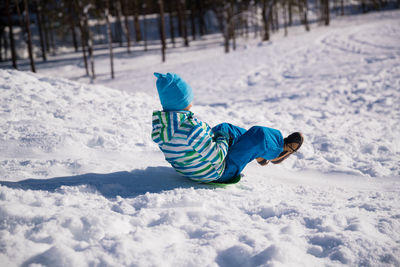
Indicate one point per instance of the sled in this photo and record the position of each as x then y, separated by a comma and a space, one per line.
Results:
230, 182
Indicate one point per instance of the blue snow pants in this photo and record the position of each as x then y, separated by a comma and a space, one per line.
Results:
247, 145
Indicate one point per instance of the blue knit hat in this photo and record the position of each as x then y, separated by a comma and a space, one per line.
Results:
175, 94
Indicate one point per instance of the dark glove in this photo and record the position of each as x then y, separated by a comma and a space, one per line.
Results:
219, 134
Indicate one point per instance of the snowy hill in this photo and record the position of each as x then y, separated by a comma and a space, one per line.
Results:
82, 184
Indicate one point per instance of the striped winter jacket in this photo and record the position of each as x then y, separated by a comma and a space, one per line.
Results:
188, 145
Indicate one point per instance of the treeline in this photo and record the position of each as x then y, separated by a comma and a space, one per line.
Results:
127, 23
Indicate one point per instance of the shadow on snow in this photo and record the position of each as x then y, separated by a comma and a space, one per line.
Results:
111, 185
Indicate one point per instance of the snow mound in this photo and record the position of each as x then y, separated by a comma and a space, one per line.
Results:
54, 127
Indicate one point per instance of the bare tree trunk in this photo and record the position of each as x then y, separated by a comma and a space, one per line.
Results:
271, 18
89, 40
83, 44
118, 24
202, 24
290, 9
227, 23
193, 19
91, 54
47, 27
40, 27
180, 23
306, 15
246, 23
28, 31
324, 12
284, 17
303, 10
1, 44
72, 25
327, 11
363, 6
21, 21
51, 34
171, 23
342, 7
221, 12
24, 35
319, 10
255, 18
247, 28
138, 32
126, 22
265, 14
5, 46
46, 33
83, 35
232, 24
145, 27
74, 39
276, 16
233, 37
239, 19
162, 29
335, 7
182, 19
119, 16
185, 31
226, 43
11, 35
107, 15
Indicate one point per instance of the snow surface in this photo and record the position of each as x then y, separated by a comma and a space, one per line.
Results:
82, 184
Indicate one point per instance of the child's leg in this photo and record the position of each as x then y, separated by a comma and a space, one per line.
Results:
234, 131
257, 142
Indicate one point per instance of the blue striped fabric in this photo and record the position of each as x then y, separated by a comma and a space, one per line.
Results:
188, 145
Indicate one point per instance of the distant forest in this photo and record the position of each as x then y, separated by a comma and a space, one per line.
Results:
41, 26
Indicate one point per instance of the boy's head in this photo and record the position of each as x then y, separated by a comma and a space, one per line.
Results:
175, 94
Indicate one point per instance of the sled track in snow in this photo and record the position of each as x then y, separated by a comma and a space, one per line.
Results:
360, 41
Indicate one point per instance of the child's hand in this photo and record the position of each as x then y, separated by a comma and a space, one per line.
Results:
221, 134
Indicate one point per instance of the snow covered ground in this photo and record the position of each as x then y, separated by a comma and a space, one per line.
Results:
82, 184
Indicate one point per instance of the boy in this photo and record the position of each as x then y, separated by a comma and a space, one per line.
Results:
210, 155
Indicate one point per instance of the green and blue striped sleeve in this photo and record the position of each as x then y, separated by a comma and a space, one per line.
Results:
211, 151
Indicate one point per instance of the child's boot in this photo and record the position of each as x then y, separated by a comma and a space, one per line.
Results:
262, 161
291, 144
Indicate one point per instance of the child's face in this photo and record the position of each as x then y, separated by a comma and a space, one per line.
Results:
189, 107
